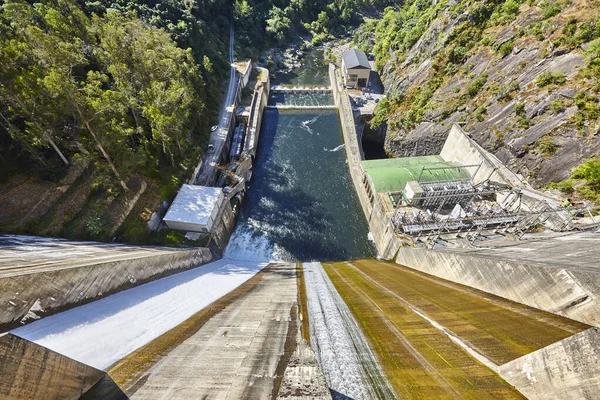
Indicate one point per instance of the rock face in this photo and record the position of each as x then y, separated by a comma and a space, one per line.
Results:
540, 141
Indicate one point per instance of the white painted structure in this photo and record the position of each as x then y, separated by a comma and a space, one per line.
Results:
355, 68
195, 208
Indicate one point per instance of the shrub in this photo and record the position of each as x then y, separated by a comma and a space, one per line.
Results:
510, 7
557, 106
524, 122
565, 186
503, 92
506, 48
549, 10
476, 84
547, 78
547, 147
520, 109
450, 69
480, 112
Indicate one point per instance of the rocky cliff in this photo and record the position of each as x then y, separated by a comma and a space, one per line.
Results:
522, 78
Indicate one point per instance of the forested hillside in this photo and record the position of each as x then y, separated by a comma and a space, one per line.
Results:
522, 76
103, 102
89, 80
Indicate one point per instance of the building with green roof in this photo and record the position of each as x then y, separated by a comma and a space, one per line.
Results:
392, 174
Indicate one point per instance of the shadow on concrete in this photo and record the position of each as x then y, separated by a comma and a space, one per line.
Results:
339, 396
105, 389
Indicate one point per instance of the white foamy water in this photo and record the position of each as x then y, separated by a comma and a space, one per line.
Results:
104, 331
338, 148
305, 124
251, 243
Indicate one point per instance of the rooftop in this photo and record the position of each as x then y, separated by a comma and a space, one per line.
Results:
354, 58
194, 204
391, 174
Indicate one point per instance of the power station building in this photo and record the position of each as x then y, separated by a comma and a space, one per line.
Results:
356, 69
463, 192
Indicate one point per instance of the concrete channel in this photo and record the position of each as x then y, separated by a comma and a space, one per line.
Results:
41, 276
238, 348
437, 339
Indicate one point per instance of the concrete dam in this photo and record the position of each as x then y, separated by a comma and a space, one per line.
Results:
299, 307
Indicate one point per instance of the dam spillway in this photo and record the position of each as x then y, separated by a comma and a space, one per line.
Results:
239, 327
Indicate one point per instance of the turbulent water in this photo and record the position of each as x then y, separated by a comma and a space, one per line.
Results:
300, 99
301, 204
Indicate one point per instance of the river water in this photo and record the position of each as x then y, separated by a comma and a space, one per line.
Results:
301, 204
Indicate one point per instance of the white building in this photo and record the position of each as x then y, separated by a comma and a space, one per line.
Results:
355, 68
195, 208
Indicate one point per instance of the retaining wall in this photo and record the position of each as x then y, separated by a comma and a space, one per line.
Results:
380, 224
223, 230
571, 292
29, 371
568, 369
54, 290
460, 148
259, 102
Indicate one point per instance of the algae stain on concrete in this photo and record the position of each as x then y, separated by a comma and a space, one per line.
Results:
419, 360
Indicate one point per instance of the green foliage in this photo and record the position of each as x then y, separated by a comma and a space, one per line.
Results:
480, 113
380, 114
589, 171
476, 85
548, 78
588, 109
504, 92
589, 174
524, 122
520, 109
505, 48
549, 9
120, 89
557, 106
241, 10
505, 13
278, 24
565, 186
546, 146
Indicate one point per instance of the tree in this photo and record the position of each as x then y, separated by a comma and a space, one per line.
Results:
278, 24
241, 10
40, 43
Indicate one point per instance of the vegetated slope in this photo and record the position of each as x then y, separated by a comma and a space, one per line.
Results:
124, 89
523, 77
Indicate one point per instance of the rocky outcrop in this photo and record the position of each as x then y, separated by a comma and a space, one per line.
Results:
541, 141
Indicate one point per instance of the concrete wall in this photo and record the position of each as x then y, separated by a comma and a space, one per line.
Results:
246, 74
54, 290
30, 371
569, 369
223, 229
259, 102
380, 225
565, 291
462, 149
